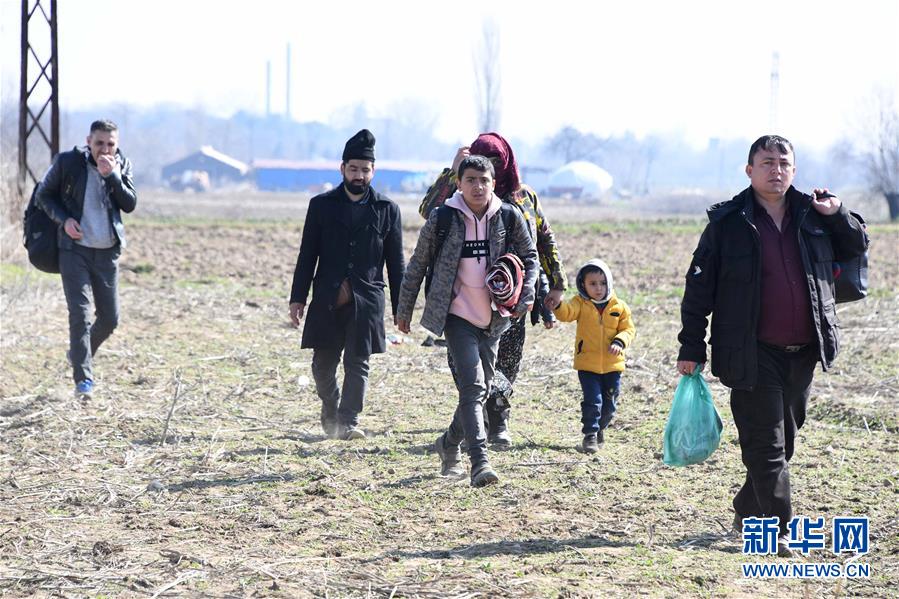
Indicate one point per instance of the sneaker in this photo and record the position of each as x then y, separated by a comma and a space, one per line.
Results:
783, 546
351, 432
483, 475
590, 444
84, 389
450, 458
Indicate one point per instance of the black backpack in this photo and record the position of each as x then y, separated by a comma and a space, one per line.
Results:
39, 237
444, 218
850, 280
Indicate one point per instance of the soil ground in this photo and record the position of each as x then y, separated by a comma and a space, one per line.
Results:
245, 497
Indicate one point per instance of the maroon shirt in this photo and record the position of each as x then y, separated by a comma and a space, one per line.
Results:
785, 316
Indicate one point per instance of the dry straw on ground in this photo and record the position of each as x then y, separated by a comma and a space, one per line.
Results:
199, 468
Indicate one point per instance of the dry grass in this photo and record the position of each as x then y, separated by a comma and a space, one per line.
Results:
199, 468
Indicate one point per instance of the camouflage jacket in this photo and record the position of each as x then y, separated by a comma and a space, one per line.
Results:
526, 200
446, 264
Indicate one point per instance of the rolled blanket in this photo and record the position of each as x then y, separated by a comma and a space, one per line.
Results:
504, 280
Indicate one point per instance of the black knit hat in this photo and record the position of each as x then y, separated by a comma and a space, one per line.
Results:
360, 147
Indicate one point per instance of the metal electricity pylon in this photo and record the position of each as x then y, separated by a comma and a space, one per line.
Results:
38, 27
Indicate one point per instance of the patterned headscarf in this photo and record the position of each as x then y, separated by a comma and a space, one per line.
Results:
494, 145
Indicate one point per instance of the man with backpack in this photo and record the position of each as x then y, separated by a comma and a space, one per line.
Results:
550, 284
84, 193
458, 302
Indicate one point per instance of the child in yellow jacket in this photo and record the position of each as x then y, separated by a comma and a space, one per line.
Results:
604, 331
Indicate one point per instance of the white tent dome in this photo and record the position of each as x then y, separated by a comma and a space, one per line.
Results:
580, 179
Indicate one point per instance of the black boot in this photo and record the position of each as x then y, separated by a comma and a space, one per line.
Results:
498, 429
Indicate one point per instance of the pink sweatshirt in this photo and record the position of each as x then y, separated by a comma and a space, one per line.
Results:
472, 300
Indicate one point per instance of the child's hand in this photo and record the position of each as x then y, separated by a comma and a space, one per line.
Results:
614, 349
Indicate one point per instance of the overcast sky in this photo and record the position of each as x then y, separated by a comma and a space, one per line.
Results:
700, 68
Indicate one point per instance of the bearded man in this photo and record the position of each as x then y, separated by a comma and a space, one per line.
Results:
349, 234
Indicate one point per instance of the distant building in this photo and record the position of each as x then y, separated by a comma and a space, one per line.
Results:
579, 179
202, 169
316, 176
535, 177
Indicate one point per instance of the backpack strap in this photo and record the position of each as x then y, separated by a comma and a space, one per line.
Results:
444, 220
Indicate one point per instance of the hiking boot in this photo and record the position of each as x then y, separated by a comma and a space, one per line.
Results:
498, 430
500, 440
783, 546
84, 389
450, 458
483, 475
590, 444
428, 342
351, 432
600, 438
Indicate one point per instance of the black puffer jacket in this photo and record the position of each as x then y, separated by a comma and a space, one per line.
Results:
61, 193
725, 280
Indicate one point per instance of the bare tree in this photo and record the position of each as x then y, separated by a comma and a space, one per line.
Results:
487, 77
571, 144
880, 155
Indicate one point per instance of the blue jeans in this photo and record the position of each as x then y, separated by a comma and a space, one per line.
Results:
600, 397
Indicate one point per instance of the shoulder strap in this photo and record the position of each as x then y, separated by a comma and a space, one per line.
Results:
444, 219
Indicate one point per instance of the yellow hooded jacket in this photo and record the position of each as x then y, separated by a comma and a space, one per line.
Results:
596, 331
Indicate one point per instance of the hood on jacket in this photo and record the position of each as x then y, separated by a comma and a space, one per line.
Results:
458, 202
593, 265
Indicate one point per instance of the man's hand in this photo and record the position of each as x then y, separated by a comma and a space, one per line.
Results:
553, 299
461, 154
72, 228
296, 313
825, 202
106, 164
686, 366
403, 325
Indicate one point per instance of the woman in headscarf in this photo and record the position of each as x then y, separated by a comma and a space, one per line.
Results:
551, 283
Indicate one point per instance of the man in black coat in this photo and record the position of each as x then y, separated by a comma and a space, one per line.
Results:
764, 269
84, 193
349, 234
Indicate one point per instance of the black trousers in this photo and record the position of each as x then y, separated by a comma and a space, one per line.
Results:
768, 418
344, 403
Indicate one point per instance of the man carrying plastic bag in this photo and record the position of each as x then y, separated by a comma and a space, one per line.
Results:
763, 269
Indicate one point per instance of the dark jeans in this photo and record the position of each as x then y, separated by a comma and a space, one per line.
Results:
344, 405
88, 273
600, 399
508, 362
767, 419
474, 355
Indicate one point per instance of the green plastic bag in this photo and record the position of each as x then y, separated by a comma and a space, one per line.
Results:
694, 426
